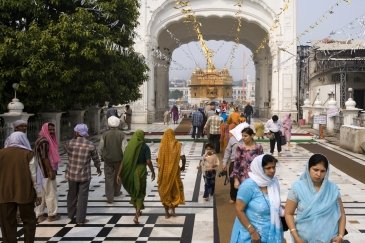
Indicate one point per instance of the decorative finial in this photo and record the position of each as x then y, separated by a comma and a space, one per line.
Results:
350, 92
15, 87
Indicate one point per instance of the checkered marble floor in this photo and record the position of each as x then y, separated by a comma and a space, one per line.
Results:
195, 220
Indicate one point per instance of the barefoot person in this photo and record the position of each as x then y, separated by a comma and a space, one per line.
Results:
133, 172
170, 186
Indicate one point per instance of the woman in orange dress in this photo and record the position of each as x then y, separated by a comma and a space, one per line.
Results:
170, 186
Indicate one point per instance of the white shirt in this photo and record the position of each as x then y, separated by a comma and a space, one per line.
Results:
273, 126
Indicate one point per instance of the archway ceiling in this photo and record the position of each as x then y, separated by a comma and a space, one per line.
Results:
213, 28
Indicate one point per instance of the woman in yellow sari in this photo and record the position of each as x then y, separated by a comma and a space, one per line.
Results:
170, 186
133, 172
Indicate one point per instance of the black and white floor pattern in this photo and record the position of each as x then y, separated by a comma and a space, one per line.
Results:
195, 220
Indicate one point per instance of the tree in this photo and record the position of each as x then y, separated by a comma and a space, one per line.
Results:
176, 94
66, 54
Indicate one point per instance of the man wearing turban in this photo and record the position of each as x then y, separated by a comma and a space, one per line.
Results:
111, 146
80, 152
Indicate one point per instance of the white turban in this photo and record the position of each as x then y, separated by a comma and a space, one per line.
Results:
18, 123
113, 121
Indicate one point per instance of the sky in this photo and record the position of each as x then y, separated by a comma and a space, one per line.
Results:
340, 25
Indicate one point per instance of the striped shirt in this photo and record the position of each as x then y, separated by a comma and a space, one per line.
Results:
41, 150
80, 152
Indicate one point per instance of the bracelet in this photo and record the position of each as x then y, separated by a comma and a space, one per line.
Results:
249, 226
294, 229
339, 235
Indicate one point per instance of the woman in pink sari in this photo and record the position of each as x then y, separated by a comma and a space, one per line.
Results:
286, 129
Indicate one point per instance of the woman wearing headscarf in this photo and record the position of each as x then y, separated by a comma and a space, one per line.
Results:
17, 191
133, 173
244, 155
175, 113
286, 128
320, 213
234, 118
230, 154
258, 205
170, 186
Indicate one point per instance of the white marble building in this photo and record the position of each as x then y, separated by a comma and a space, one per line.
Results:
268, 30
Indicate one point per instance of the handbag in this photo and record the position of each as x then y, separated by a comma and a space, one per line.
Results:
282, 218
283, 223
270, 135
282, 140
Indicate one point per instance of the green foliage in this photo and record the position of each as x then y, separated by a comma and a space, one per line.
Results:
66, 54
176, 94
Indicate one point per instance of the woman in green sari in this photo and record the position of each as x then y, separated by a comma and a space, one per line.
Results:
133, 172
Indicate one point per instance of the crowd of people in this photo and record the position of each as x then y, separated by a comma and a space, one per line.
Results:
254, 187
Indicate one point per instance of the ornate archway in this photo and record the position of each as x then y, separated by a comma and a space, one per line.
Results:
267, 29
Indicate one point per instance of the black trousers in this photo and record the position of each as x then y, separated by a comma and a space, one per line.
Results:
196, 132
9, 224
214, 139
232, 191
277, 140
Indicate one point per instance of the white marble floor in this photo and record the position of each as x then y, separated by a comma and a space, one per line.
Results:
195, 220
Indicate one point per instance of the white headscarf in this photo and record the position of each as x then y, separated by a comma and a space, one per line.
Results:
18, 140
237, 131
113, 121
258, 175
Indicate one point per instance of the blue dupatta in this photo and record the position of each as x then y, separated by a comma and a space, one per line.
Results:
318, 222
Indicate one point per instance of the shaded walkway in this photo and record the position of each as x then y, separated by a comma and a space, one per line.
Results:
184, 127
348, 166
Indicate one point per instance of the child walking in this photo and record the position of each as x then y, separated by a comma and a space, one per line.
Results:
209, 165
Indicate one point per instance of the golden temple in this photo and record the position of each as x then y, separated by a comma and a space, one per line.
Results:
210, 84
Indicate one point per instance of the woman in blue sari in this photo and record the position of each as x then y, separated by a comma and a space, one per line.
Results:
320, 214
258, 205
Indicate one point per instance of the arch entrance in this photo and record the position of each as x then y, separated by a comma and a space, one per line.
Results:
163, 29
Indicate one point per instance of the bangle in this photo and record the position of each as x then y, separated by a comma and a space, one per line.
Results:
339, 235
249, 226
294, 229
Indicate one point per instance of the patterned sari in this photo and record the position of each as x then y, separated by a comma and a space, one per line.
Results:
170, 186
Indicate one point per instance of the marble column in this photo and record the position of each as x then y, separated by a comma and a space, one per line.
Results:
77, 116
162, 90
263, 82
317, 110
15, 108
350, 112
307, 110
331, 119
93, 119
